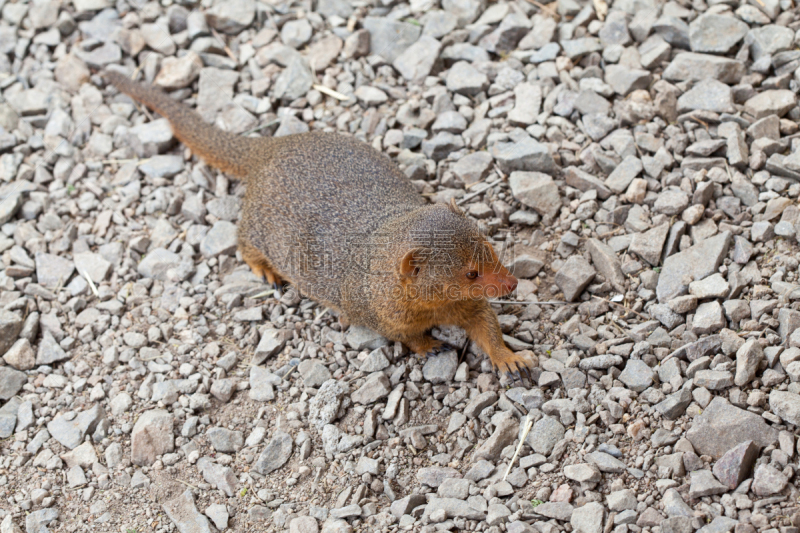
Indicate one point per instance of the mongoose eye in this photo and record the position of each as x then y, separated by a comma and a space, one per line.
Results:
472, 274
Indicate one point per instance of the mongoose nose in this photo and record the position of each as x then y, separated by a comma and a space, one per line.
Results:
510, 284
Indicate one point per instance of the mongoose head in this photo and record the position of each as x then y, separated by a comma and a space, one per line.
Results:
449, 258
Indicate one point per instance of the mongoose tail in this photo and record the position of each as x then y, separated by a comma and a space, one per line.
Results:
230, 153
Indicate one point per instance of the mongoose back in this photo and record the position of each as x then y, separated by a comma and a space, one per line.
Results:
339, 221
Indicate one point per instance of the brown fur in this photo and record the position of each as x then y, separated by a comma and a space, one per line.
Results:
338, 220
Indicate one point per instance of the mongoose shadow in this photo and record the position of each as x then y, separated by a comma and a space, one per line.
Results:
338, 220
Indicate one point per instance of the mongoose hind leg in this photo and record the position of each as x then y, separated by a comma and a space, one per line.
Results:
421, 343
259, 264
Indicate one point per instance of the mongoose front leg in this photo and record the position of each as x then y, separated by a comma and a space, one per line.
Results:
483, 328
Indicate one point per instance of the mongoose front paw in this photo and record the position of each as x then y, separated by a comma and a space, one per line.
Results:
513, 363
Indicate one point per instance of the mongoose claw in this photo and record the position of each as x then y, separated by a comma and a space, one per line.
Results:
463, 352
515, 365
442, 348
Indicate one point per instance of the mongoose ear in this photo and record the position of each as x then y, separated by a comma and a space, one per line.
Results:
454, 207
411, 262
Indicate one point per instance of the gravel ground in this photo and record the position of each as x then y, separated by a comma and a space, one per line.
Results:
636, 161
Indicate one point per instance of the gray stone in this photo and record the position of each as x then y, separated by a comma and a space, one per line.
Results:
70, 431
390, 38
474, 167
276, 454
374, 388
441, 145
329, 8
748, 358
37, 521
583, 473
49, 351
588, 519
162, 166
675, 506
768, 480
433, 476
225, 440
453, 508
10, 328
737, 464
607, 263
151, 436
219, 476
178, 72
637, 376
527, 104
625, 80
722, 426
690, 66
673, 30
325, 405
786, 405
479, 403
605, 462
527, 154
574, 276
295, 80
713, 379
577, 48
708, 318
20, 356
713, 286
296, 33
649, 245
536, 190
707, 95
315, 373
705, 484
721, 524
716, 34
584, 181
11, 381
405, 505
505, 434
770, 102
600, 362
52, 270
694, 263
624, 174
497, 514
416, 62
622, 500
361, 338
159, 263
675, 404
184, 514
559, 510
262, 383
218, 514
768, 40
441, 368
232, 16
544, 435
348, 511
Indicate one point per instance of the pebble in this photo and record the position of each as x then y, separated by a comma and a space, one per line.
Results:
183, 512
275, 454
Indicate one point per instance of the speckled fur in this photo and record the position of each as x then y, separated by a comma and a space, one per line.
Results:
334, 217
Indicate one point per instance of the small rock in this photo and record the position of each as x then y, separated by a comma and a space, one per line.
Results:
276, 454
183, 513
